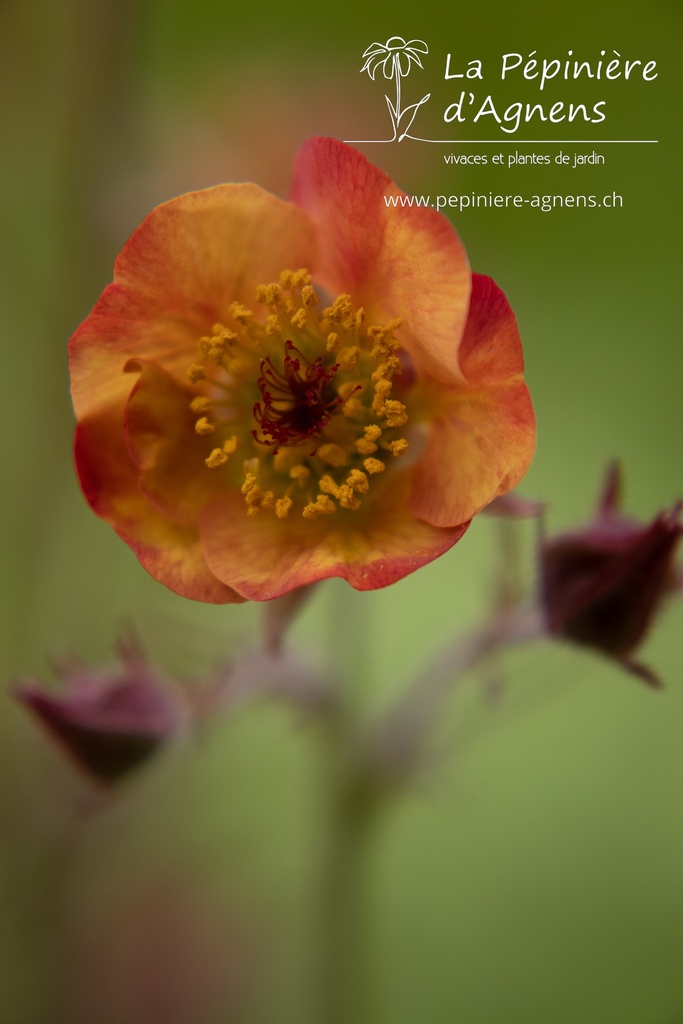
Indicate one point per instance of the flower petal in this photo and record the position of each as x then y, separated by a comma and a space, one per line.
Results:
403, 63
491, 350
413, 58
172, 554
177, 275
164, 446
374, 48
264, 558
483, 438
374, 62
404, 261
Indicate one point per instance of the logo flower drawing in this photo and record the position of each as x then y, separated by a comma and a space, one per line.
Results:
395, 58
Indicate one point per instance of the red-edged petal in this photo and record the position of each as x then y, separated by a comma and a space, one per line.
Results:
404, 261
176, 277
483, 436
491, 350
263, 557
164, 446
171, 553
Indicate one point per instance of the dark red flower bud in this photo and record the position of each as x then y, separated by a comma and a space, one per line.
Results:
108, 720
602, 585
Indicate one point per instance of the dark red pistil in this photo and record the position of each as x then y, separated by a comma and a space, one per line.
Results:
297, 402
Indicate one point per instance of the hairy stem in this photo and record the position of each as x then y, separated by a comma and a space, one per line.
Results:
346, 961
401, 736
351, 802
360, 770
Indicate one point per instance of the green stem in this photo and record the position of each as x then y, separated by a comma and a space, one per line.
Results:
351, 802
345, 941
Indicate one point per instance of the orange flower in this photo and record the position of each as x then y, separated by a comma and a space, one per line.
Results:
248, 431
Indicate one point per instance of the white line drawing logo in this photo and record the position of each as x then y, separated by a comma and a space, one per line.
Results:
396, 58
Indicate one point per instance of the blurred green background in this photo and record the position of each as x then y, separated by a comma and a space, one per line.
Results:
536, 874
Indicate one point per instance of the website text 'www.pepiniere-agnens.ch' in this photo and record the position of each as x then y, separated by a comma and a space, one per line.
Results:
499, 201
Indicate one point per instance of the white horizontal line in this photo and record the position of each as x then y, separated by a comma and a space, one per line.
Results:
541, 142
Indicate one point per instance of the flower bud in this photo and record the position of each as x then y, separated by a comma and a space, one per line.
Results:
109, 721
603, 584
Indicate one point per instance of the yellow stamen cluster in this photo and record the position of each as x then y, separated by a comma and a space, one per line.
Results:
398, 447
219, 456
396, 413
332, 454
255, 498
282, 507
203, 426
386, 348
201, 404
322, 506
215, 345
341, 325
366, 444
241, 314
352, 442
356, 482
292, 280
309, 297
300, 474
216, 458
348, 357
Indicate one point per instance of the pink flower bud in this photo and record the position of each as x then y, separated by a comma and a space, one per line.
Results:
109, 721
